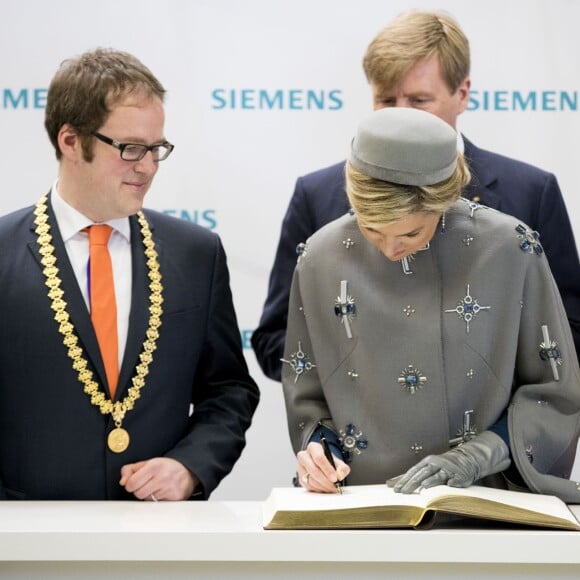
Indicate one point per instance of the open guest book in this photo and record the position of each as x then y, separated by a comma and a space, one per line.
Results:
378, 506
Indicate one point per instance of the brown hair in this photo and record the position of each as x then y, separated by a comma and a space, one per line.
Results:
85, 88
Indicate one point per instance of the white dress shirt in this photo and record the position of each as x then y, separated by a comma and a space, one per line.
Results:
71, 223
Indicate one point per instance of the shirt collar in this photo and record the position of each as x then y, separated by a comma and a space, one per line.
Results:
460, 143
71, 222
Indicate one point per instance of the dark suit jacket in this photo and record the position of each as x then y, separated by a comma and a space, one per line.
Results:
513, 187
52, 440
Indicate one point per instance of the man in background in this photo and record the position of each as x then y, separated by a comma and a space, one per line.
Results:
121, 369
422, 60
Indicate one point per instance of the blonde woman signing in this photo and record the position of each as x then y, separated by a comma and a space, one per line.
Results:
426, 338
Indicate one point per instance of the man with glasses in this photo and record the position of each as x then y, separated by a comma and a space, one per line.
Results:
136, 152
121, 369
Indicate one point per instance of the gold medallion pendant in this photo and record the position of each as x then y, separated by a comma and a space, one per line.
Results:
118, 440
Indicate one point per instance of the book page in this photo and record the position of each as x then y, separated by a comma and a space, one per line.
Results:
507, 503
380, 495
352, 497
529, 501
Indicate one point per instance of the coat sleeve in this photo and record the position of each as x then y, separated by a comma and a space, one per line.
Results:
224, 395
557, 238
306, 405
544, 414
268, 337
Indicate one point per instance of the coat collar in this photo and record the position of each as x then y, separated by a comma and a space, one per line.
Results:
76, 307
483, 177
139, 313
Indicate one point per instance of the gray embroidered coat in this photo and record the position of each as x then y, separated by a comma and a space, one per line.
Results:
395, 362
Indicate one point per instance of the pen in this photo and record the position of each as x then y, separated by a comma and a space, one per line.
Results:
328, 455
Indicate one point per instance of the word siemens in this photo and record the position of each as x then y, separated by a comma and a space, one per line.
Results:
206, 218
281, 99
23, 98
523, 101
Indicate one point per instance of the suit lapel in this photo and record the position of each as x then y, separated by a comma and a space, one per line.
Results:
76, 306
483, 177
139, 313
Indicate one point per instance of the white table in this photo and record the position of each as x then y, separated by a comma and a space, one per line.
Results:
226, 540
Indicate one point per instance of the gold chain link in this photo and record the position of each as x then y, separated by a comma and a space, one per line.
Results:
75, 352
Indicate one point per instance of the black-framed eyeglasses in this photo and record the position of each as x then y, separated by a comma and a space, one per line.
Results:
136, 151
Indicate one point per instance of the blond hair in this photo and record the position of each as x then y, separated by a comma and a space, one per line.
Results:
413, 37
378, 202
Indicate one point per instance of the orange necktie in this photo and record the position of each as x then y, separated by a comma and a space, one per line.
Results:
103, 304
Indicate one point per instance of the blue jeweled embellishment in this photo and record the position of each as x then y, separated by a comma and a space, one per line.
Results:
465, 433
473, 206
352, 442
345, 308
549, 351
468, 431
301, 250
467, 308
529, 240
299, 362
530, 453
411, 379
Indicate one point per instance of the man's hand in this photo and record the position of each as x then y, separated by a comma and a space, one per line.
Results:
159, 478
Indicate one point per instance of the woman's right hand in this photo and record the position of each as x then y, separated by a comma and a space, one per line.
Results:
315, 472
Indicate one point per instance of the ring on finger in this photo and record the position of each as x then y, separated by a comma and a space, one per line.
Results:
305, 477
153, 498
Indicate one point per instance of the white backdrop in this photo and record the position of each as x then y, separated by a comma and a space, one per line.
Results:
238, 75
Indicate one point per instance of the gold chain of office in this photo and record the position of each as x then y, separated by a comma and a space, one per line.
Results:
118, 439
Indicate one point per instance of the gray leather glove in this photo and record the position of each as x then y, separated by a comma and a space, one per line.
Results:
483, 455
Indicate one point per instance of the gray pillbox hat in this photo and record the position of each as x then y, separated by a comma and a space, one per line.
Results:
406, 146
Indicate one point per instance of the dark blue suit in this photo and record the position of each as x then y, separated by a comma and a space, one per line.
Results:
52, 440
513, 187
